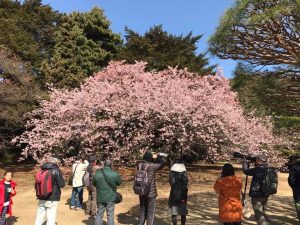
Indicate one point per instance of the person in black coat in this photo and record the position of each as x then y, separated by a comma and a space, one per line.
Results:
294, 180
178, 180
147, 203
259, 199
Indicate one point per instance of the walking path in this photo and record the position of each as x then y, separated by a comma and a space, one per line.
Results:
202, 204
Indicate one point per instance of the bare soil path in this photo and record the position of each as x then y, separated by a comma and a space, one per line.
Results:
202, 202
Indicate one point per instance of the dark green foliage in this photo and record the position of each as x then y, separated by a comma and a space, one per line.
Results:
271, 94
161, 49
267, 92
19, 94
27, 29
84, 44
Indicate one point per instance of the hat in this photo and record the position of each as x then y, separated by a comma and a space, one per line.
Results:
78, 157
262, 157
147, 157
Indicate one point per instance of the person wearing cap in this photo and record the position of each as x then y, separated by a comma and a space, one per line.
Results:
294, 180
258, 198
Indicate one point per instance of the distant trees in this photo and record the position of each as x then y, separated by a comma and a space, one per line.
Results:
161, 49
84, 43
262, 32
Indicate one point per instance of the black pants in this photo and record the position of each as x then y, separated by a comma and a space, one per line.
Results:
147, 210
233, 223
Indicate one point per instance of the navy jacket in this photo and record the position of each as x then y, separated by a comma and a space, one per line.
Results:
294, 180
258, 174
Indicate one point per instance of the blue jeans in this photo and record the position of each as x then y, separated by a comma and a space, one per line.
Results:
77, 192
110, 208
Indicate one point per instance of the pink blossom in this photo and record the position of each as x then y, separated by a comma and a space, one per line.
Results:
123, 110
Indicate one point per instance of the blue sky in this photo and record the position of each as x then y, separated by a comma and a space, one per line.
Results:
176, 16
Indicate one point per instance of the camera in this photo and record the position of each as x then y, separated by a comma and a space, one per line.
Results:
163, 154
249, 158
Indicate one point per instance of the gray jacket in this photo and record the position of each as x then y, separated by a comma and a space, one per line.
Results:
152, 169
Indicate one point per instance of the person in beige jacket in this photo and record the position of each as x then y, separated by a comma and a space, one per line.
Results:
78, 170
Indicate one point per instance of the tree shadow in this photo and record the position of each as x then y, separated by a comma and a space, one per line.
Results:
203, 209
91, 221
281, 210
12, 220
68, 202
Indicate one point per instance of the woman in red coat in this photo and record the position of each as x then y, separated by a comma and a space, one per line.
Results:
7, 190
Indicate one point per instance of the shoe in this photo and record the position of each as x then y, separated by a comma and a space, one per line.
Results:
72, 208
79, 209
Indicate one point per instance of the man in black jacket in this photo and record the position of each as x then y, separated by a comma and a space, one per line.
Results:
147, 203
294, 181
258, 198
47, 207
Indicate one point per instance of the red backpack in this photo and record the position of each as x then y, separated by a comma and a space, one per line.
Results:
43, 184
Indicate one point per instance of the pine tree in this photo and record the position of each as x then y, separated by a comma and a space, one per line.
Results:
262, 32
160, 49
84, 44
27, 29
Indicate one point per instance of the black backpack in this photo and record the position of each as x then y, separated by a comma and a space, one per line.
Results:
270, 181
141, 184
179, 189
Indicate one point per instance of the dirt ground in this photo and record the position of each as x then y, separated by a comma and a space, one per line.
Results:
202, 201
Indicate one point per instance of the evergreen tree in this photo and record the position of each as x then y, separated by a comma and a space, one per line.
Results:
268, 93
27, 29
19, 94
84, 44
160, 49
262, 32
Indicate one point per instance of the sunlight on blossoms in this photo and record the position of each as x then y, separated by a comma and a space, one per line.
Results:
124, 110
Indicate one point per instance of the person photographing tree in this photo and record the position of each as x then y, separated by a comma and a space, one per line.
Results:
263, 184
145, 185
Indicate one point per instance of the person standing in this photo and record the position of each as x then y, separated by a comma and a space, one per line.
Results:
78, 170
106, 182
7, 191
91, 204
48, 202
229, 187
151, 163
294, 181
179, 189
259, 199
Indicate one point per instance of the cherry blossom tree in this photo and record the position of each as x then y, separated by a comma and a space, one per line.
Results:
123, 111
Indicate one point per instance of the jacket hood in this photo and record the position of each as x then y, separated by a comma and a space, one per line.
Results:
178, 167
49, 166
231, 182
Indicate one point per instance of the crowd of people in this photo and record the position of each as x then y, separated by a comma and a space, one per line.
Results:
101, 182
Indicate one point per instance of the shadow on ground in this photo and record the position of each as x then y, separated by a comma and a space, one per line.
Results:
203, 210
12, 220
91, 221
